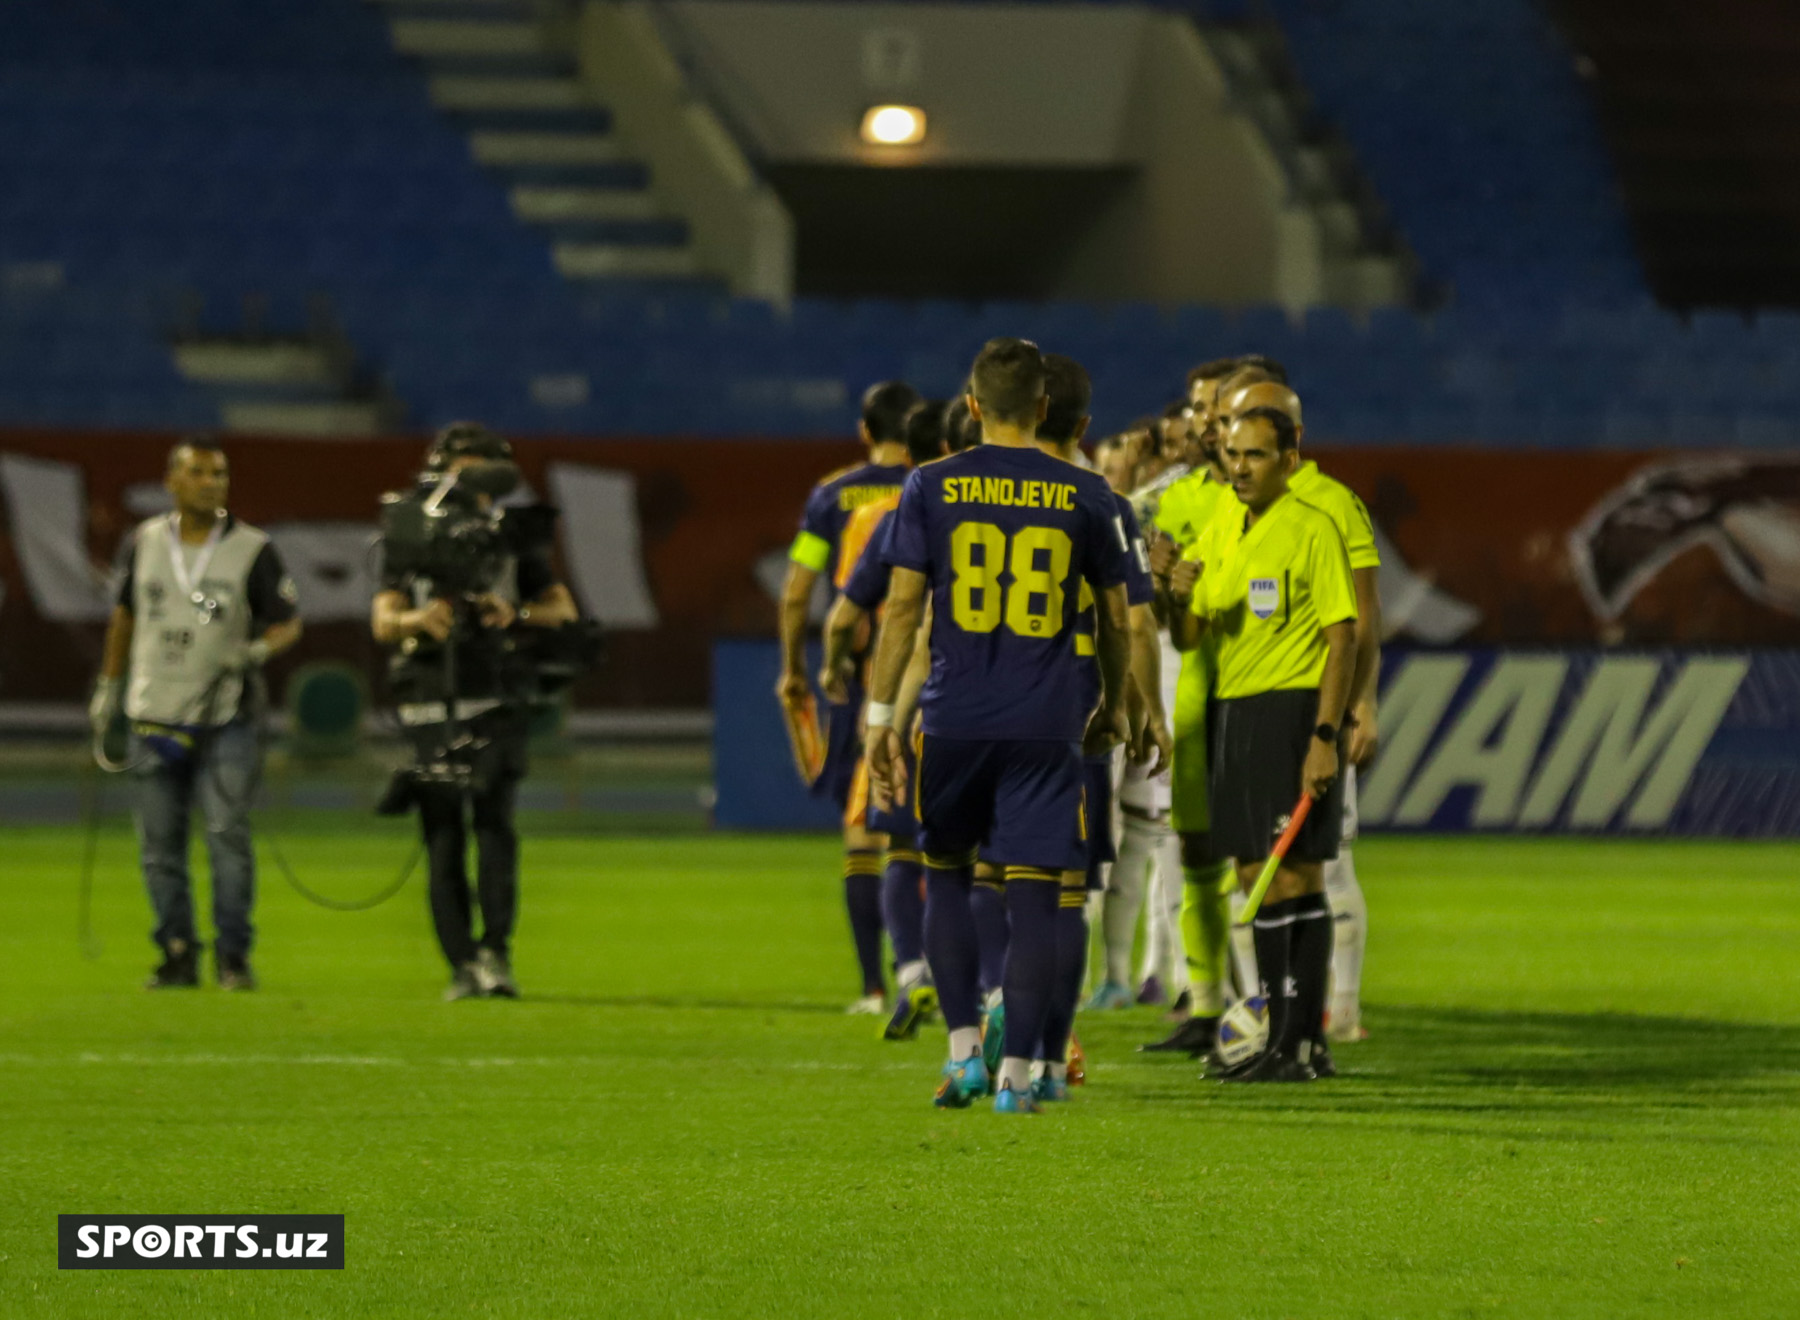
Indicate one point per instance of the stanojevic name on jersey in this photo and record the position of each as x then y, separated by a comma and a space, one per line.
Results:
1008, 490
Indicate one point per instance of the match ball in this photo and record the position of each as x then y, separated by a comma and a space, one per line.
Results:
1243, 1031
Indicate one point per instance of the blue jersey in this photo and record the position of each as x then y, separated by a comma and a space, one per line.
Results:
868, 584
829, 507
1140, 587
1139, 590
1005, 538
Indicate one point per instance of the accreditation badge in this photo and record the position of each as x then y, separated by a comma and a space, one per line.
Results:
1264, 597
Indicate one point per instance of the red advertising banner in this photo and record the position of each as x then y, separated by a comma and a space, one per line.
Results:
674, 542
669, 542
1614, 548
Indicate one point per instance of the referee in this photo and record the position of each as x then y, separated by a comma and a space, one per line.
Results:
1271, 584
204, 602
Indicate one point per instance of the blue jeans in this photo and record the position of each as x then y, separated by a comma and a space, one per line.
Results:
220, 771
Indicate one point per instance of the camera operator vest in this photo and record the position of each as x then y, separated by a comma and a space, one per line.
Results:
191, 614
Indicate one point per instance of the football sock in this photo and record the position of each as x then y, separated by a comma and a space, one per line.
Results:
1163, 956
862, 896
1350, 933
1125, 896
1193, 936
1071, 966
1015, 1073
903, 905
1273, 931
1030, 974
1309, 963
965, 1043
1243, 946
987, 902
1156, 927
1168, 867
951, 951
1208, 944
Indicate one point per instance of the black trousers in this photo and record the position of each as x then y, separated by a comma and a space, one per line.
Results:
446, 817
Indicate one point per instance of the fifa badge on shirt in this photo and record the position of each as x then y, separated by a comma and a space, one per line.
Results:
1265, 596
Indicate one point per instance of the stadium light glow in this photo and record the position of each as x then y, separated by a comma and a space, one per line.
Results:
893, 125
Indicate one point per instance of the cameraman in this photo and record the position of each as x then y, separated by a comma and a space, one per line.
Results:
419, 617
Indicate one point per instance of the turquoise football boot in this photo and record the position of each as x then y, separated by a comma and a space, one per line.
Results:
993, 1042
963, 1081
1109, 995
1048, 1088
1010, 1101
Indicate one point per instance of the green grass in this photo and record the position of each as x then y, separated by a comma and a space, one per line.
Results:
1582, 1098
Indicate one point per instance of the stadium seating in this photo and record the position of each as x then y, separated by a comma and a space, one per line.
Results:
161, 162
1471, 122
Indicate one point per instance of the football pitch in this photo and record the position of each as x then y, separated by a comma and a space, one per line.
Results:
1581, 1098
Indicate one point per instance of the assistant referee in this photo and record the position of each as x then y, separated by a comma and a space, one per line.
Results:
1270, 583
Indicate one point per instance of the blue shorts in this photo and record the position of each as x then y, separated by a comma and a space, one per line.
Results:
1101, 848
1025, 800
843, 749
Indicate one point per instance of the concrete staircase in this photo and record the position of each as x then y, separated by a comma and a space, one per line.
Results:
1365, 260
305, 383
505, 69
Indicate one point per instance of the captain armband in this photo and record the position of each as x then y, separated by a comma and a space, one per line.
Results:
810, 551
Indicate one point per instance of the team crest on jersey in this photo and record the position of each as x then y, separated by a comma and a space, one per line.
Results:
1265, 596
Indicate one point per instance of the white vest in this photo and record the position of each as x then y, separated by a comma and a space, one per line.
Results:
179, 648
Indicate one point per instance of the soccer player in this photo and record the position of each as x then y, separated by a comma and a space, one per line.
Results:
815, 552
863, 577
961, 431
1147, 851
1182, 513
1272, 585
1117, 458
1065, 422
1349, 913
1001, 537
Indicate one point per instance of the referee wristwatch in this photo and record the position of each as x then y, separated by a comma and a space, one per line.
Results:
1326, 733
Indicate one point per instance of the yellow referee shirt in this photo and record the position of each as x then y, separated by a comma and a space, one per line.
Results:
1182, 513
1189, 504
1268, 592
1333, 497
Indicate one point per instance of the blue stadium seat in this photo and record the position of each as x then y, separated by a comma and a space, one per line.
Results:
197, 151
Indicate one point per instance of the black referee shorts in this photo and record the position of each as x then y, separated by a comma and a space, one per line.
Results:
1259, 747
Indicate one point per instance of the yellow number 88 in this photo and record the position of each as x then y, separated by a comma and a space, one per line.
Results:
975, 593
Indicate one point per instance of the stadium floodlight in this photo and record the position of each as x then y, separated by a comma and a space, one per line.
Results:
893, 125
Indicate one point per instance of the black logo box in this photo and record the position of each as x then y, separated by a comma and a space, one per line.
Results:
200, 1242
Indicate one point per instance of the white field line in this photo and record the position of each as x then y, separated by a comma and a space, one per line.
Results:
131, 1060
